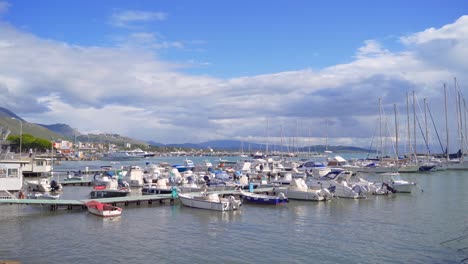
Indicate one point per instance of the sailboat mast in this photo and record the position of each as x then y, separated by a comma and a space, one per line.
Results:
409, 127
326, 135
380, 126
396, 131
425, 123
446, 123
414, 120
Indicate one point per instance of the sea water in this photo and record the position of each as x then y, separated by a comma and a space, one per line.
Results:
398, 228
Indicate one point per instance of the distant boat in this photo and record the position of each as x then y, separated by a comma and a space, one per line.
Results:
120, 155
188, 165
102, 209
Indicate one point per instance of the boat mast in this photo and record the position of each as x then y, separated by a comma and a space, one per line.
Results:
409, 127
446, 123
414, 130
380, 127
396, 132
425, 123
459, 118
326, 135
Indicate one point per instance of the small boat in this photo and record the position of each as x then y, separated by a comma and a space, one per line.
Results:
264, 199
43, 185
210, 201
397, 184
74, 177
102, 192
43, 196
102, 209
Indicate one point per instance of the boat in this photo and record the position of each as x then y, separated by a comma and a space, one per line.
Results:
315, 168
102, 209
263, 198
112, 189
74, 177
210, 201
160, 187
120, 156
338, 182
43, 185
298, 190
134, 176
188, 165
395, 181
43, 196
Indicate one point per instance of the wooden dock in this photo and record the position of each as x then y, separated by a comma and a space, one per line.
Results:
127, 200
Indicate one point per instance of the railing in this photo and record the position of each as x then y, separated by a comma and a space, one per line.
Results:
6, 195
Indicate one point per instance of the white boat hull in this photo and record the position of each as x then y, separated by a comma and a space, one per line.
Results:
309, 195
403, 187
222, 205
104, 213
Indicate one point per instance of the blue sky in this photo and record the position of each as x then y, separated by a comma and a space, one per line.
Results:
239, 38
191, 71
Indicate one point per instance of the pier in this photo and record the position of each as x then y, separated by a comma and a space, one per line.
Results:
127, 200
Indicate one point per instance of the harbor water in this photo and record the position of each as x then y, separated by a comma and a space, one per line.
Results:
398, 228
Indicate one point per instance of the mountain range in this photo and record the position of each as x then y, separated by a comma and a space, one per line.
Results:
13, 123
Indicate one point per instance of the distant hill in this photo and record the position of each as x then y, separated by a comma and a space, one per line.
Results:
9, 121
12, 122
9, 114
110, 138
62, 129
235, 145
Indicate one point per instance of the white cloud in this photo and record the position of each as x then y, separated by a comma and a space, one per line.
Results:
131, 92
128, 18
455, 31
372, 48
147, 41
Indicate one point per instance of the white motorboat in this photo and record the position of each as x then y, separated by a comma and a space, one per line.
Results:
315, 168
134, 176
43, 185
395, 181
298, 190
337, 182
43, 196
210, 201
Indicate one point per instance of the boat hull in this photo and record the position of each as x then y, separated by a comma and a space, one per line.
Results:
263, 199
103, 210
108, 193
222, 205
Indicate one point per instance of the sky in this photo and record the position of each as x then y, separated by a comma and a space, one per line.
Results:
260, 71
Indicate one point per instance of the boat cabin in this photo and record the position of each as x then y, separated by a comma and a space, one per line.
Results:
11, 174
37, 167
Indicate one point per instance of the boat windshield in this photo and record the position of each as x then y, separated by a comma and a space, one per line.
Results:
396, 177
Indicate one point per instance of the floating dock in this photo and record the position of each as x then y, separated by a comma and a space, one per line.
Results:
149, 199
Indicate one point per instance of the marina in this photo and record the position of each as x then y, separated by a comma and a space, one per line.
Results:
413, 224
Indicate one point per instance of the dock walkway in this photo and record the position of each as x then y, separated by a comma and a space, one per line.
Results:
149, 199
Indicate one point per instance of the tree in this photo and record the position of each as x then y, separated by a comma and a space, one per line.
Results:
31, 142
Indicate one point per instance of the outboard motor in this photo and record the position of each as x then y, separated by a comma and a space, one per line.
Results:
54, 186
206, 178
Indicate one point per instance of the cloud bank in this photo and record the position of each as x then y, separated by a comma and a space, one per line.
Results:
132, 92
